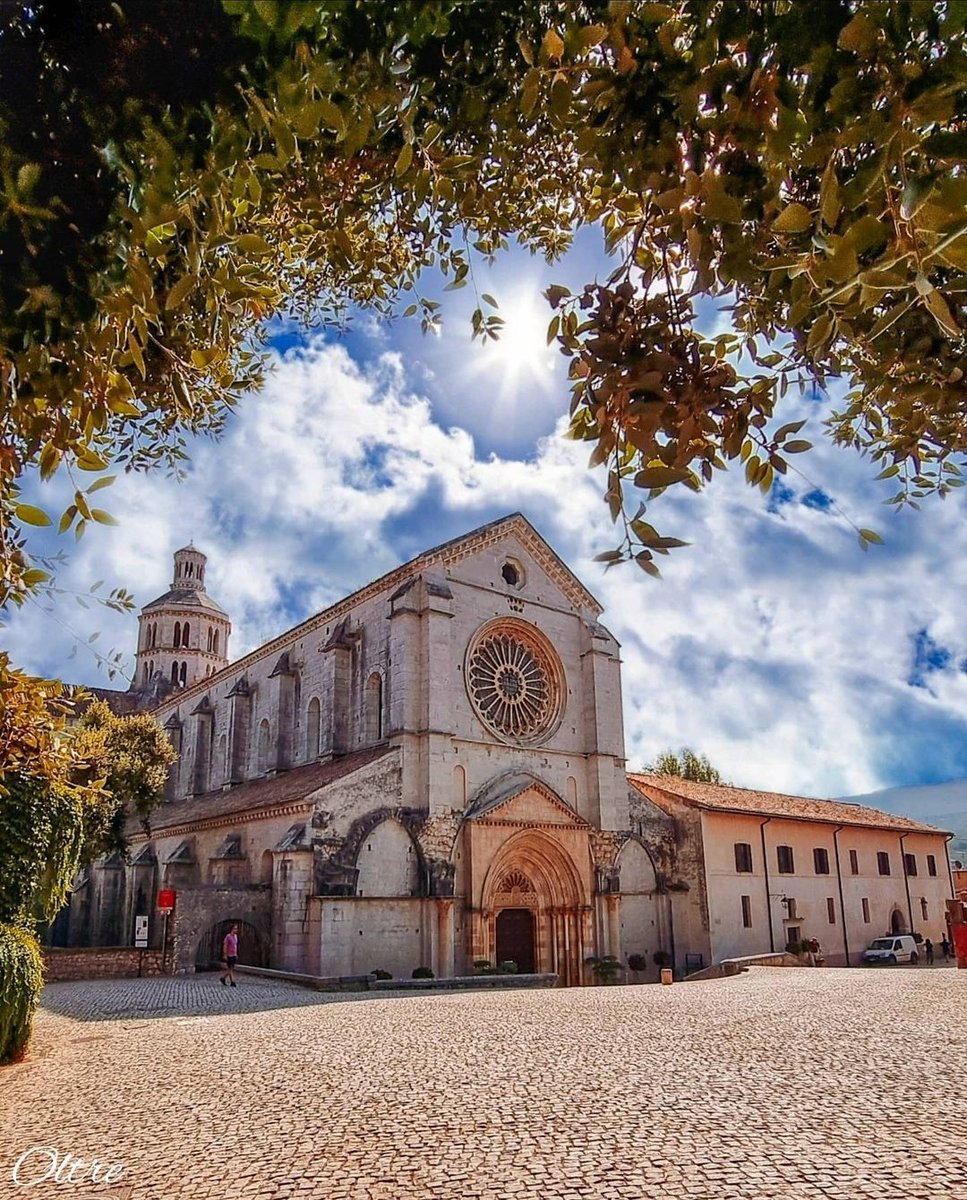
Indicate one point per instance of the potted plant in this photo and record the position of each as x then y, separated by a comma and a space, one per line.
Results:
637, 963
606, 969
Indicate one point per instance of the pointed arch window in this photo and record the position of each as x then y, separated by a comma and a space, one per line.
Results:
177, 635
183, 673
215, 643
312, 729
265, 735
374, 707
184, 635
174, 673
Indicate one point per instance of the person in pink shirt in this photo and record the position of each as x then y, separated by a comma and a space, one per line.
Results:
230, 955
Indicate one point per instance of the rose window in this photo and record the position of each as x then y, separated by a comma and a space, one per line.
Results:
514, 680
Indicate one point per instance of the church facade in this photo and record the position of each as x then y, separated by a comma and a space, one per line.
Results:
430, 773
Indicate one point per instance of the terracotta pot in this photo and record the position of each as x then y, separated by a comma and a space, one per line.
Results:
666, 974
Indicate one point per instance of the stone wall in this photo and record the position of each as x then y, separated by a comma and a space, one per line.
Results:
99, 962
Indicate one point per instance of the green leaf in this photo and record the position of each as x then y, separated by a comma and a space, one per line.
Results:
796, 218
403, 161
916, 194
30, 515
941, 310
178, 291
252, 243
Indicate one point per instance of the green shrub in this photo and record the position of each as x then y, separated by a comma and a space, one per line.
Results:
380, 974
661, 958
507, 967
423, 973
605, 970
21, 978
637, 962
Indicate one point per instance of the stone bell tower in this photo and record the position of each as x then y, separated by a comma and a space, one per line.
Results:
183, 635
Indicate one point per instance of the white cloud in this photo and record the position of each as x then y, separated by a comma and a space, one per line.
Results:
773, 644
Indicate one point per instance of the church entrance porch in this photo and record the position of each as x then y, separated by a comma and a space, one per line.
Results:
515, 938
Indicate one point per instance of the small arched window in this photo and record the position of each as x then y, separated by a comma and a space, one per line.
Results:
177, 635
215, 643
183, 673
209, 637
184, 635
174, 673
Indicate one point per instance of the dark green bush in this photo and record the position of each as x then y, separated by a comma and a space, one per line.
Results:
21, 978
423, 973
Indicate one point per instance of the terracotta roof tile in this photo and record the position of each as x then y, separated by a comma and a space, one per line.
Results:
667, 791
286, 788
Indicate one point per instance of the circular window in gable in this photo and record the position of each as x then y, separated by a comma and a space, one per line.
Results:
515, 681
512, 573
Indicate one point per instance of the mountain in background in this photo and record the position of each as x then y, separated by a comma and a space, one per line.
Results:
940, 804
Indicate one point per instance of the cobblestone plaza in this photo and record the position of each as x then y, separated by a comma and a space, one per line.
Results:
779, 1083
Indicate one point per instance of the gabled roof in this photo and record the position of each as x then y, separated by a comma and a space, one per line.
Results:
669, 792
289, 787
443, 555
506, 788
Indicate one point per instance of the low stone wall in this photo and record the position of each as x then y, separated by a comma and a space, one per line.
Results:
362, 983
735, 966
99, 962
320, 983
461, 983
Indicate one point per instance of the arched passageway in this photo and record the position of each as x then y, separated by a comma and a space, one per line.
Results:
252, 950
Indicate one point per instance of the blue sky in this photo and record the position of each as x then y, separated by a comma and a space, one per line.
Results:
773, 644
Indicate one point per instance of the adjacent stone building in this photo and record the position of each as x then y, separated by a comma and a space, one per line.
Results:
431, 773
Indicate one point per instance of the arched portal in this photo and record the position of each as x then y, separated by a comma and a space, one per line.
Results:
537, 883
898, 922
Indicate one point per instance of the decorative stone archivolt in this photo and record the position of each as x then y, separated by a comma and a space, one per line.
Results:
515, 890
515, 681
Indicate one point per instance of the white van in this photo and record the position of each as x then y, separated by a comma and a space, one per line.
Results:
898, 948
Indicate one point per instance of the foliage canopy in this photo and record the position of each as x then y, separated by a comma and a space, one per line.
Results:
685, 764
171, 185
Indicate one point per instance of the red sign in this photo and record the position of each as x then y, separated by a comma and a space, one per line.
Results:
166, 900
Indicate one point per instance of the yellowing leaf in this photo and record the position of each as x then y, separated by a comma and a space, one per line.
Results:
552, 47
31, 515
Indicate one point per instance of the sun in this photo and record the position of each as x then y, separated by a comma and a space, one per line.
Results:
520, 358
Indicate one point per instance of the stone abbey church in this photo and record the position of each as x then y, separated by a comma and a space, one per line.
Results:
431, 773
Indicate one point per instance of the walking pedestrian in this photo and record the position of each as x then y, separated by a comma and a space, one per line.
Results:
928, 946
230, 955
945, 947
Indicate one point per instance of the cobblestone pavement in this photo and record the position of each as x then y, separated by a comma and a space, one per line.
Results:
844, 1084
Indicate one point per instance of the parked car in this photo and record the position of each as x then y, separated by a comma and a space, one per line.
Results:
896, 949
